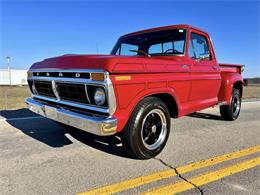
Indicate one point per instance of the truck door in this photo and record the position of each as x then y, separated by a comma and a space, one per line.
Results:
205, 72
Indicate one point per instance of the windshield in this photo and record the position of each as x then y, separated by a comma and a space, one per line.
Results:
167, 42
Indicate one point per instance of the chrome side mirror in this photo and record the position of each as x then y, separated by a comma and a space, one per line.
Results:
204, 57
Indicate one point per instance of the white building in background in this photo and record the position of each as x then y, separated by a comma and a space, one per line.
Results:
13, 77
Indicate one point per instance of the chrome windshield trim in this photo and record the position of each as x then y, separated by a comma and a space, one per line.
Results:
113, 52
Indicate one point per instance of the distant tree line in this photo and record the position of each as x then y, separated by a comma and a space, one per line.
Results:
249, 81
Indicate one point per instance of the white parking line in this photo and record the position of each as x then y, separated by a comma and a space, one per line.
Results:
21, 118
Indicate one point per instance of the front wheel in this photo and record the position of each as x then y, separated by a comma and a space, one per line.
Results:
232, 111
147, 130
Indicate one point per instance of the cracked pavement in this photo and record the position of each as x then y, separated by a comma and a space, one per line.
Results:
38, 157
180, 175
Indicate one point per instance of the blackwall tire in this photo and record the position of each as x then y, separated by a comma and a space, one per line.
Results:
147, 130
232, 111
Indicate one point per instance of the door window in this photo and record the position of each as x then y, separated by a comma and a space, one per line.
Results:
199, 48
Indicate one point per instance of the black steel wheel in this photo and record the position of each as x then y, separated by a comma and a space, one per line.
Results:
153, 130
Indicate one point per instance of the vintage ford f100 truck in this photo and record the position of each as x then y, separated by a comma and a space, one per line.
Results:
150, 77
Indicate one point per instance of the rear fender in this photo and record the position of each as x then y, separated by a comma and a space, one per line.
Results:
227, 84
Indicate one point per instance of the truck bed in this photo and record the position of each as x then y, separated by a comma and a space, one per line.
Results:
231, 68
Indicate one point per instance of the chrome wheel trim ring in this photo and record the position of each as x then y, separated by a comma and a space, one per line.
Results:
236, 104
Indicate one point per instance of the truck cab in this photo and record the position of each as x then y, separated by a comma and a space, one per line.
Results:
150, 77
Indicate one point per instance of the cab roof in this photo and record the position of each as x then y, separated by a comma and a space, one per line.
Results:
186, 26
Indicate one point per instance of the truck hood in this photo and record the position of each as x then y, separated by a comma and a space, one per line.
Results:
110, 63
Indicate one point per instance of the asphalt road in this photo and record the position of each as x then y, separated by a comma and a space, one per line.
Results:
39, 157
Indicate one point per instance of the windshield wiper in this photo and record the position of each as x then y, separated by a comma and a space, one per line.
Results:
140, 51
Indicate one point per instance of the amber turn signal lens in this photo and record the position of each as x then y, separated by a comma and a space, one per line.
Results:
97, 76
123, 78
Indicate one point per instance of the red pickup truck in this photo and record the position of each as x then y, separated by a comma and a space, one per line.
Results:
150, 77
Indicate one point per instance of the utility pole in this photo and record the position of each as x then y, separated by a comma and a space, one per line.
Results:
9, 69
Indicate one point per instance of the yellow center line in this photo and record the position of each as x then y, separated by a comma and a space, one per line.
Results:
132, 183
205, 178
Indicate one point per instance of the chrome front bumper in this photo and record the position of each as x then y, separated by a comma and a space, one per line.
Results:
95, 125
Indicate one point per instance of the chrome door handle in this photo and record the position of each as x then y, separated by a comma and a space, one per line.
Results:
185, 66
215, 67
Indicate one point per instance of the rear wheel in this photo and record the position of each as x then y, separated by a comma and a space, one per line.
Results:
232, 111
147, 130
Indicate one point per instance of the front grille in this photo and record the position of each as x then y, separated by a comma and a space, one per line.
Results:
66, 92
44, 88
72, 92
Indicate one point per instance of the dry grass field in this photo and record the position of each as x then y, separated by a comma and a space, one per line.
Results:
13, 97
252, 91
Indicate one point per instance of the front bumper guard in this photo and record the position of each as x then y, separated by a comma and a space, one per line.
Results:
95, 125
